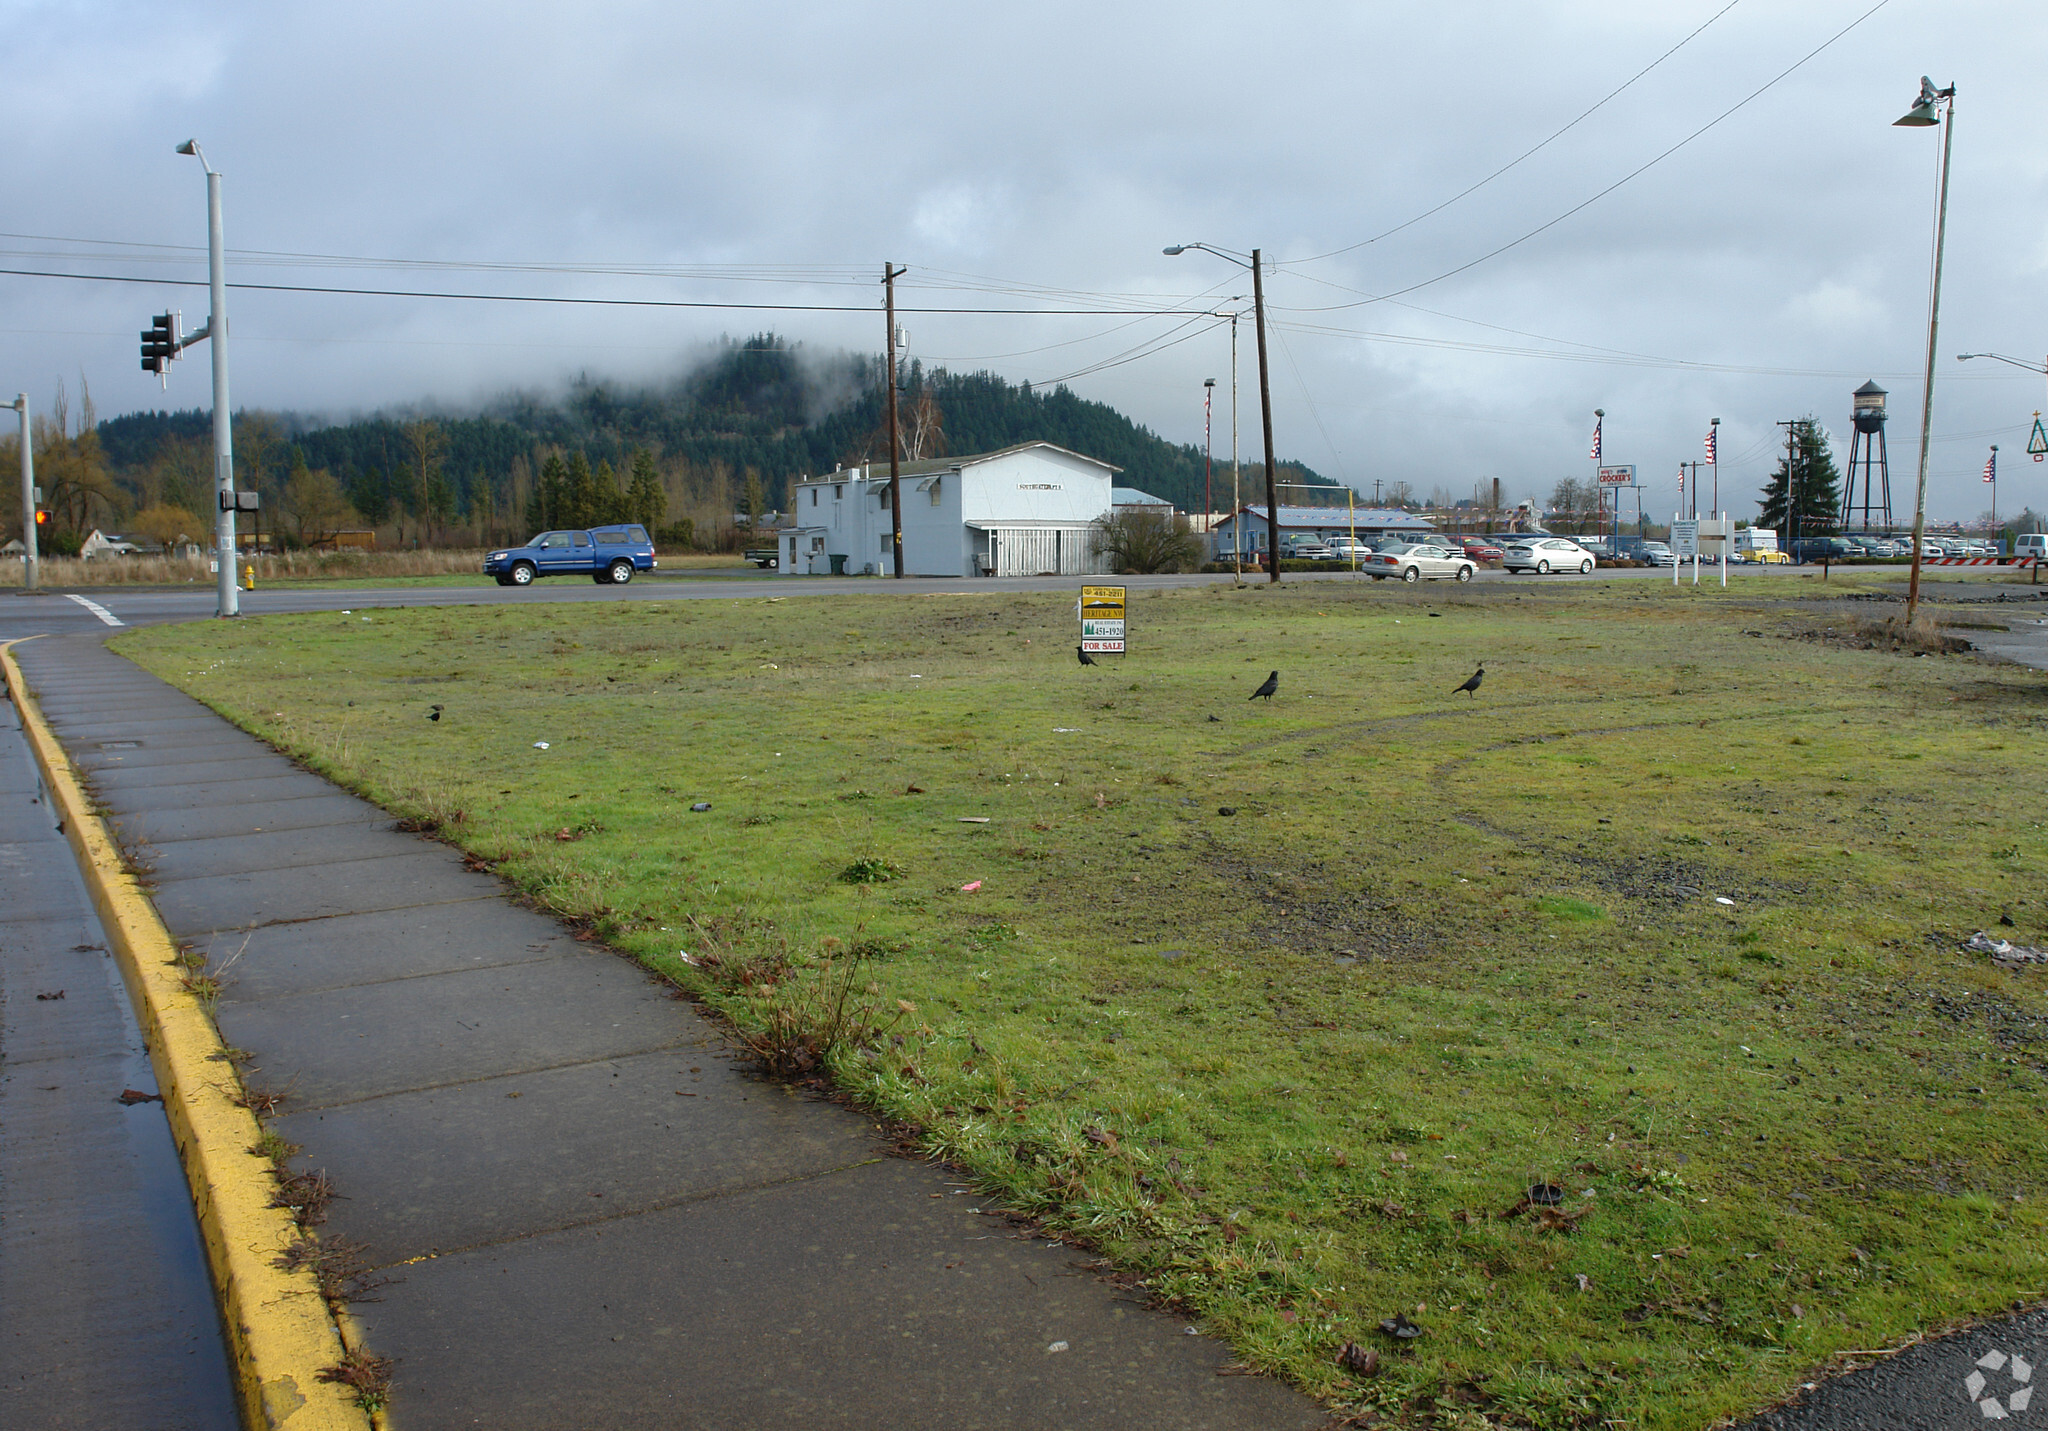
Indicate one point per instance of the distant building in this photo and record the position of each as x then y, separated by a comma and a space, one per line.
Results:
1026, 510
1320, 523
100, 544
1130, 499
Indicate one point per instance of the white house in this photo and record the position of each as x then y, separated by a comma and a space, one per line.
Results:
1024, 511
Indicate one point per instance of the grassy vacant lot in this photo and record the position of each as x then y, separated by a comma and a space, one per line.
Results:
1296, 1065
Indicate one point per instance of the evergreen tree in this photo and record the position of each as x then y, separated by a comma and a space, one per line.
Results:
607, 502
545, 509
579, 501
1814, 508
756, 499
646, 502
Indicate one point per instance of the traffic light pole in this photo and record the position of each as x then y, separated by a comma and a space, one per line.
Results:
216, 332
29, 575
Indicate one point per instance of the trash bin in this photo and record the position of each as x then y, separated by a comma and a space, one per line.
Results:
839, 563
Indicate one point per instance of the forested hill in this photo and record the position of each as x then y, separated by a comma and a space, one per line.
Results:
760, 405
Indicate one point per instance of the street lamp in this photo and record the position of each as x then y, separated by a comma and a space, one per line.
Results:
230, 601
1926, 110
1265, 390
29, 565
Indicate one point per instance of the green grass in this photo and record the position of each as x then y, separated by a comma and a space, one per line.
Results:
1291, 1065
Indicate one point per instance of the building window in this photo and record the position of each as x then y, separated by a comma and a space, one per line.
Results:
888, 539
814, 496
838, 490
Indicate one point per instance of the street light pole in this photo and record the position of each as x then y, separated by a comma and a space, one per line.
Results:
1265, 391
30, 566
229, 593
1926, 111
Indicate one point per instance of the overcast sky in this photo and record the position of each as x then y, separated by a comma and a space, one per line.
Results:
1039, 157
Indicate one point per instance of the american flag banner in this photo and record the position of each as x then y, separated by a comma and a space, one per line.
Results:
1681, 481
1991, 467
1596, 439
1713, 446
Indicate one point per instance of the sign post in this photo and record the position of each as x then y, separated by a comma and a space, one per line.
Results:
1102, 619
1685, 542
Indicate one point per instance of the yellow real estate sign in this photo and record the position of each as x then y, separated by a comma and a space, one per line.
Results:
1102, 619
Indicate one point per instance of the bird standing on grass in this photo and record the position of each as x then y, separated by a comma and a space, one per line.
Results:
1086, 659
1272, 684
434, 713
1473, 684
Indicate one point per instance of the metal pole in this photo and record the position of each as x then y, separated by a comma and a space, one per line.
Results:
30, 566
230, 596
889, 276
1266, 420
1236, 500
1208, 459
1927, 389
1715, 427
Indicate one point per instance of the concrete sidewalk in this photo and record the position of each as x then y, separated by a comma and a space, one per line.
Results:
592, 1219
107, 1316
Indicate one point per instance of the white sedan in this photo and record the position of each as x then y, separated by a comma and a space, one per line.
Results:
1414, 561
1544, 555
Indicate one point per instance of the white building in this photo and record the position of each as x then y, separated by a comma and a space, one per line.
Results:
1027, 510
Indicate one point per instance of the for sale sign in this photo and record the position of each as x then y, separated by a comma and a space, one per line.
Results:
1102, 619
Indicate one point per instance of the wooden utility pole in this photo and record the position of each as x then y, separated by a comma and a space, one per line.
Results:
890, 273
1266, 417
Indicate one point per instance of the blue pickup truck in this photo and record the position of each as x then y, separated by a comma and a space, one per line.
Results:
604, 554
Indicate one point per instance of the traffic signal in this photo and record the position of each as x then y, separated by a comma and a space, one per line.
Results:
42, 521
159, 344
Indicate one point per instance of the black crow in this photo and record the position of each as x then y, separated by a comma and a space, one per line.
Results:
1272, 684
1473, 684
1086, 659
434, 714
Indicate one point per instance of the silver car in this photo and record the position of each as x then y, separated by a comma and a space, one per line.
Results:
1544, 555
1415, 561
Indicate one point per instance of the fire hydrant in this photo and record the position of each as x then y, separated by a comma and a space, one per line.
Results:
249, 577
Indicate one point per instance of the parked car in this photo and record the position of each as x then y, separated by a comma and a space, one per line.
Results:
1656, 554
1418, 560
1770, 557
1478, 548
1345, 548
2031, 544
604, 554
1544, 555
1300, 550
1824, 549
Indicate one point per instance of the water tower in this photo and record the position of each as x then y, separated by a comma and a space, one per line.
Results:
1867, 447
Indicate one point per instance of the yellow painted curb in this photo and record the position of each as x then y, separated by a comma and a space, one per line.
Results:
280, 1333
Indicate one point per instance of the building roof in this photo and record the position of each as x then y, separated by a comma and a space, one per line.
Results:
1334, 517
925, 466
1132, 497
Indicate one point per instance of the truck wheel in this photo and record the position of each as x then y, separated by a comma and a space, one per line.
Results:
504, 581
522, 573
621, 572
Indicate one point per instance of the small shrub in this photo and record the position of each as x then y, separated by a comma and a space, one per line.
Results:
369, 1377
870, 869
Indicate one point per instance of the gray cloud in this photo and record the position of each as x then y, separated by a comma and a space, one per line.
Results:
1059, 148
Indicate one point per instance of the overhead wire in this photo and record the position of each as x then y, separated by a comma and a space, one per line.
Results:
1640, 169
1526, 154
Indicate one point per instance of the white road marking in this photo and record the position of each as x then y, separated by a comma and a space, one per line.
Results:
100, 611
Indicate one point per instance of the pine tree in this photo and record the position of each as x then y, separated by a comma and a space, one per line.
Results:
646, 502
544, 510
607, 502
1815, 508
579, 502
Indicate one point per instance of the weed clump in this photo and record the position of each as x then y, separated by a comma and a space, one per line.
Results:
870, 869
368, 1376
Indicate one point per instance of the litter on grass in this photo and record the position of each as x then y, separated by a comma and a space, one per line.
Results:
974, 819
700, 807
1723, 899
2003, 951
970, 887
540, 745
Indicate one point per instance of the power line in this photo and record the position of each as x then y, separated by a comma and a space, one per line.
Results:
1525, 154
600, 302
1632, 174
